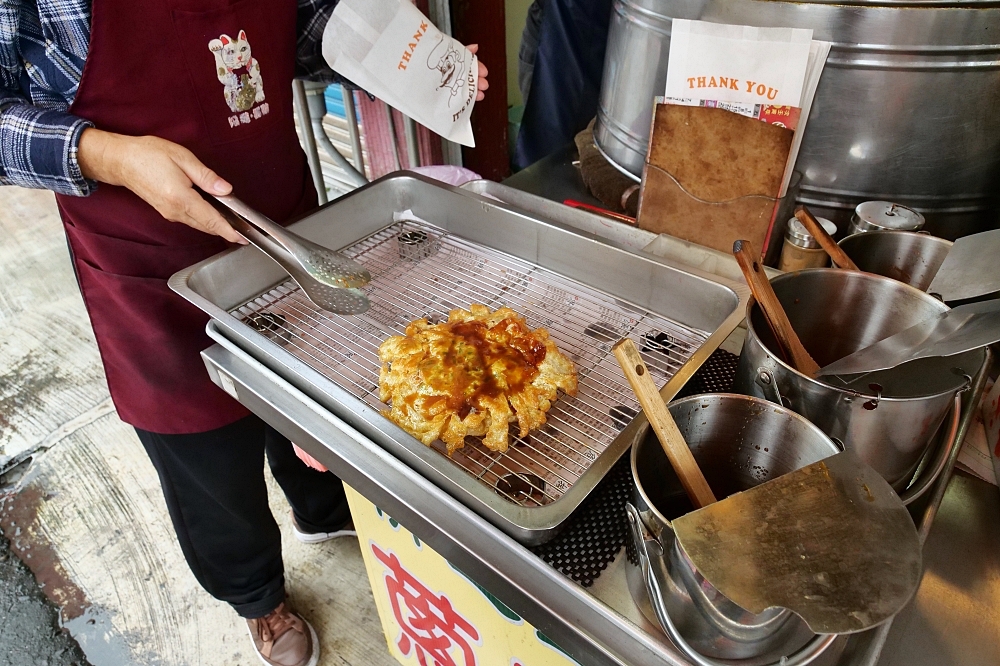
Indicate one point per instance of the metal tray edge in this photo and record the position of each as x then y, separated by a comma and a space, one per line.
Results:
528, 525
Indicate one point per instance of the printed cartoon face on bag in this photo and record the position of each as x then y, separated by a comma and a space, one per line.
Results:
238, 72
450, 63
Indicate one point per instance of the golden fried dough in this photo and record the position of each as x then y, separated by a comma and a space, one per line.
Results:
471, 376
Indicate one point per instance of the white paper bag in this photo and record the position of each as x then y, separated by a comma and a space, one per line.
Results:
737, 63
389, 48
766, 73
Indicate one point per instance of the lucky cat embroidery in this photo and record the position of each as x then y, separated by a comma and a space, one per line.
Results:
238, 72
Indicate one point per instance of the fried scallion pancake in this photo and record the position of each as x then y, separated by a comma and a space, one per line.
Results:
471, 376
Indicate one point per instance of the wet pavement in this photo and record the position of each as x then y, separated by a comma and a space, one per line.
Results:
30, 634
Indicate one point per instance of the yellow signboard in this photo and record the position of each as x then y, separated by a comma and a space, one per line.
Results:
432, 613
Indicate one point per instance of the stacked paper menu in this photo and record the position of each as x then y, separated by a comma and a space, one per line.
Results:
769, 74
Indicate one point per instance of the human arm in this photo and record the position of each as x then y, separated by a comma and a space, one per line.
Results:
44, 147
38, 147
161, 173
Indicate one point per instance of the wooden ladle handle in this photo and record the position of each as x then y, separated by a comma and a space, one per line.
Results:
663, 424
824, 239
773, 312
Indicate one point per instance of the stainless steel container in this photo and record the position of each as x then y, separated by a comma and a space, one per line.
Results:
884, 216
901, 255
739, 442
587, 292
800, 250
906, 107
890, 417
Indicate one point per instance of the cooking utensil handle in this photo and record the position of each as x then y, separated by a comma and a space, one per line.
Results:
264, 242
260, 221
928, 477
663, 424
825, 240
604, 212
773, 312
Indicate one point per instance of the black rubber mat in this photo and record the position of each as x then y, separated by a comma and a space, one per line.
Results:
596, 532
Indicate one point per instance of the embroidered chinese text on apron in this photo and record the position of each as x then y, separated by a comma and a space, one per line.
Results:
192, 72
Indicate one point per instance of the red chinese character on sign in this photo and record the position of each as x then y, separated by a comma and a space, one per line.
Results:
429, 622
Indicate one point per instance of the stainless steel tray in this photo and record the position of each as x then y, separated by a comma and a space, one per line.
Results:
586, 291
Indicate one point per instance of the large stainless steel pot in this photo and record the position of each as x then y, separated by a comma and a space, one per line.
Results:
890, 417
913, 258
905, 110
739, 442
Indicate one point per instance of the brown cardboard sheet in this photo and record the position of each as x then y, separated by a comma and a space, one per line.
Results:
712, 176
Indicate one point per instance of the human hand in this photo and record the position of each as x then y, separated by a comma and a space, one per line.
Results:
161, 173
308, 459
483, 72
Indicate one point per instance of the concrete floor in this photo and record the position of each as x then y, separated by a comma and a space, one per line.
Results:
80, 502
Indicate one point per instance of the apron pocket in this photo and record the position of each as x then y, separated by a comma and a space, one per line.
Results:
150, 341
130, 258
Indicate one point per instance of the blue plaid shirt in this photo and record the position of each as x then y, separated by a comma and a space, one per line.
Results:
43, 45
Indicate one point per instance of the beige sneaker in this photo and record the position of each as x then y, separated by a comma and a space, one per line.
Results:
283, 638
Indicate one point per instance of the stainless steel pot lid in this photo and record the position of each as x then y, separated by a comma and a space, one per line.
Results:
887, 215
800, 236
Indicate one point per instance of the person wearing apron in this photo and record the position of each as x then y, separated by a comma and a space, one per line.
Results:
176, 93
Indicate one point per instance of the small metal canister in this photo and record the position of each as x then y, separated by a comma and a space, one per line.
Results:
884, 216
800, 250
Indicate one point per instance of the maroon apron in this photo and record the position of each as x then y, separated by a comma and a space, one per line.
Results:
214, 76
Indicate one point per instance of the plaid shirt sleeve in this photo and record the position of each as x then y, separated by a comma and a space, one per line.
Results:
38, 149
43, 44
312, 19
313, 15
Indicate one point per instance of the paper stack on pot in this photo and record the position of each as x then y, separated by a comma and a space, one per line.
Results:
726, 134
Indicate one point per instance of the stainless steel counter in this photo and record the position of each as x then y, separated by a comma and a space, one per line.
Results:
955, 618
950, 622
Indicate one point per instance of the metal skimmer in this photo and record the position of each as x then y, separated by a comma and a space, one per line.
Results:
328, 278
419, 270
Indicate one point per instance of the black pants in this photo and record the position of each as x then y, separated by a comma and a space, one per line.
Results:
213, 483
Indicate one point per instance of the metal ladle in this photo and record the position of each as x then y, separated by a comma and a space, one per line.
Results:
328, 278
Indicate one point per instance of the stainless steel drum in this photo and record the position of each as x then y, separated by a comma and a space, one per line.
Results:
905, 110
739, 442
909, 257
889, 418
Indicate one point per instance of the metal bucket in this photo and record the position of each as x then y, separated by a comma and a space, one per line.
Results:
907, 256
739, 442
874, 130
889, 418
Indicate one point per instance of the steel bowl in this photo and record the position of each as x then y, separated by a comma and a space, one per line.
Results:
739, 442
910, 257
890, 417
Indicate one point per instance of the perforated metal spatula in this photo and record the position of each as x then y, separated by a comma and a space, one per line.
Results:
328, 278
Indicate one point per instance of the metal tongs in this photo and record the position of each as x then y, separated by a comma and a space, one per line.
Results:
328, 278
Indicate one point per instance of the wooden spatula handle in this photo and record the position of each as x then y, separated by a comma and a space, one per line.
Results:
663, 424
773, 312
824, 239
